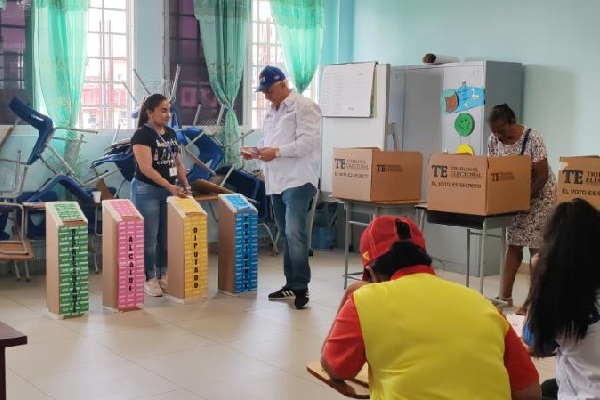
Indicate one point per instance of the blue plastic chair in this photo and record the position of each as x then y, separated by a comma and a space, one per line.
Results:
210, 152
46, 130
122, 157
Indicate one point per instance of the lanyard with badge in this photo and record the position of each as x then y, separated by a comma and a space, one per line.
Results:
172, 168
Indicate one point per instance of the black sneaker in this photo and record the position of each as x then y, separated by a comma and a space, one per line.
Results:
282, 294
301, 298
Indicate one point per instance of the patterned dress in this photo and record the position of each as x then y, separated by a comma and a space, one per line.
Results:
526, 228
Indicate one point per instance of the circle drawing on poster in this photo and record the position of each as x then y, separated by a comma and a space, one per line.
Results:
465, 149
449, 100
464, 124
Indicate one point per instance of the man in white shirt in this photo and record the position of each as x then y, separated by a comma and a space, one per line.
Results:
291, 153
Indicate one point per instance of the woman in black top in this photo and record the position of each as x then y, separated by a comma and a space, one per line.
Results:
158, 167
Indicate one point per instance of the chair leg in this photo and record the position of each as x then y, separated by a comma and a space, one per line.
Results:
27, 277
96, 261
17, 273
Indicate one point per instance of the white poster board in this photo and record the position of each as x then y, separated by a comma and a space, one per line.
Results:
346, 90
356, 132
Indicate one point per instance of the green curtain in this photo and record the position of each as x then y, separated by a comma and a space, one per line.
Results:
300, 25
60, 52
224, 28
2, 4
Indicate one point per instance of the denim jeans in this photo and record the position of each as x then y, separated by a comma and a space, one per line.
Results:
291, 210
151, 202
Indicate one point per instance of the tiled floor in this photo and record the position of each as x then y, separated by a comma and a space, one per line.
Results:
223, 348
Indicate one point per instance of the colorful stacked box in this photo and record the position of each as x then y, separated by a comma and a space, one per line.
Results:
238, 244
122, 255
67, 287
187, 241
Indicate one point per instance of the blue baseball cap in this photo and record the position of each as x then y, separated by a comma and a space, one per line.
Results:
268, 76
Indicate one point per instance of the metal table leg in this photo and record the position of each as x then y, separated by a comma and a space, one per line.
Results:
502, 260
482, 254
347, 233
422, 214
468, 256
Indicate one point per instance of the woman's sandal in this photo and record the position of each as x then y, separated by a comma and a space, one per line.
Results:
521, 311
507, 300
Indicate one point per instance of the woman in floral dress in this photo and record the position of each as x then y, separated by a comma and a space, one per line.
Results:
511, 139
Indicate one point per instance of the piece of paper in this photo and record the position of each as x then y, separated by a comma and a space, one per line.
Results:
347, 90
469, 97
517, 322
449, 100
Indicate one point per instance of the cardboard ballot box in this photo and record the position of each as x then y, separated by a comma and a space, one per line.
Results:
67, 285
579, 177
238, 244
122, 256
187, 231
478, 185
369, 174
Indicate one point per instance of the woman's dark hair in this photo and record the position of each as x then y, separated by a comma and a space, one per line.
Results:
502, 112
149, 104
401, 255
565, 282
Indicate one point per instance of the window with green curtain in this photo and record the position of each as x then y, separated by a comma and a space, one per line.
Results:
224, 29
300, 25
2, 4
60, 52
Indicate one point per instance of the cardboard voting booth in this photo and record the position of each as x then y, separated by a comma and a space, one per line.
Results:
238, 244
122, 256
479, 185
67, 285
187, 232
369, 174
579, 177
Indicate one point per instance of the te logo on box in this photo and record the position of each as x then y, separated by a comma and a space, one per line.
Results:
440, 171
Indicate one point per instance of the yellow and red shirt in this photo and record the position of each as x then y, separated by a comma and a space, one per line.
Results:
427, 338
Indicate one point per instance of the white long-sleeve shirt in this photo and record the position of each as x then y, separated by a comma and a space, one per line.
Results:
295, 128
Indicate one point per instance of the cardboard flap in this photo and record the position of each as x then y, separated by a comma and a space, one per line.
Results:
457, 182
507, 176
397, 169
66, 213
186, 206
578, 162
237, 203
121, 210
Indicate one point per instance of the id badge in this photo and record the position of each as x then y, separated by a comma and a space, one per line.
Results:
173, 171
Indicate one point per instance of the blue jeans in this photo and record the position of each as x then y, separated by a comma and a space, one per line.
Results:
291, 209
151, 202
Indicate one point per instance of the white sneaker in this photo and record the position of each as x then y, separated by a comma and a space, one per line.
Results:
152, 288
163, 282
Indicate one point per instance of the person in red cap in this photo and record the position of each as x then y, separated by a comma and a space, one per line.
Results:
422, 337
290, 151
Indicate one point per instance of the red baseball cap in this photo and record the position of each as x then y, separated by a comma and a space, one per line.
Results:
378, 238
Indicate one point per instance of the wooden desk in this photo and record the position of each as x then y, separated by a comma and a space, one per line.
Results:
373, 209
9, 337
471, 222
357, 388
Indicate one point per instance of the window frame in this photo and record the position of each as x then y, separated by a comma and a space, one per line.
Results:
313, 88
171, 73
102, 109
